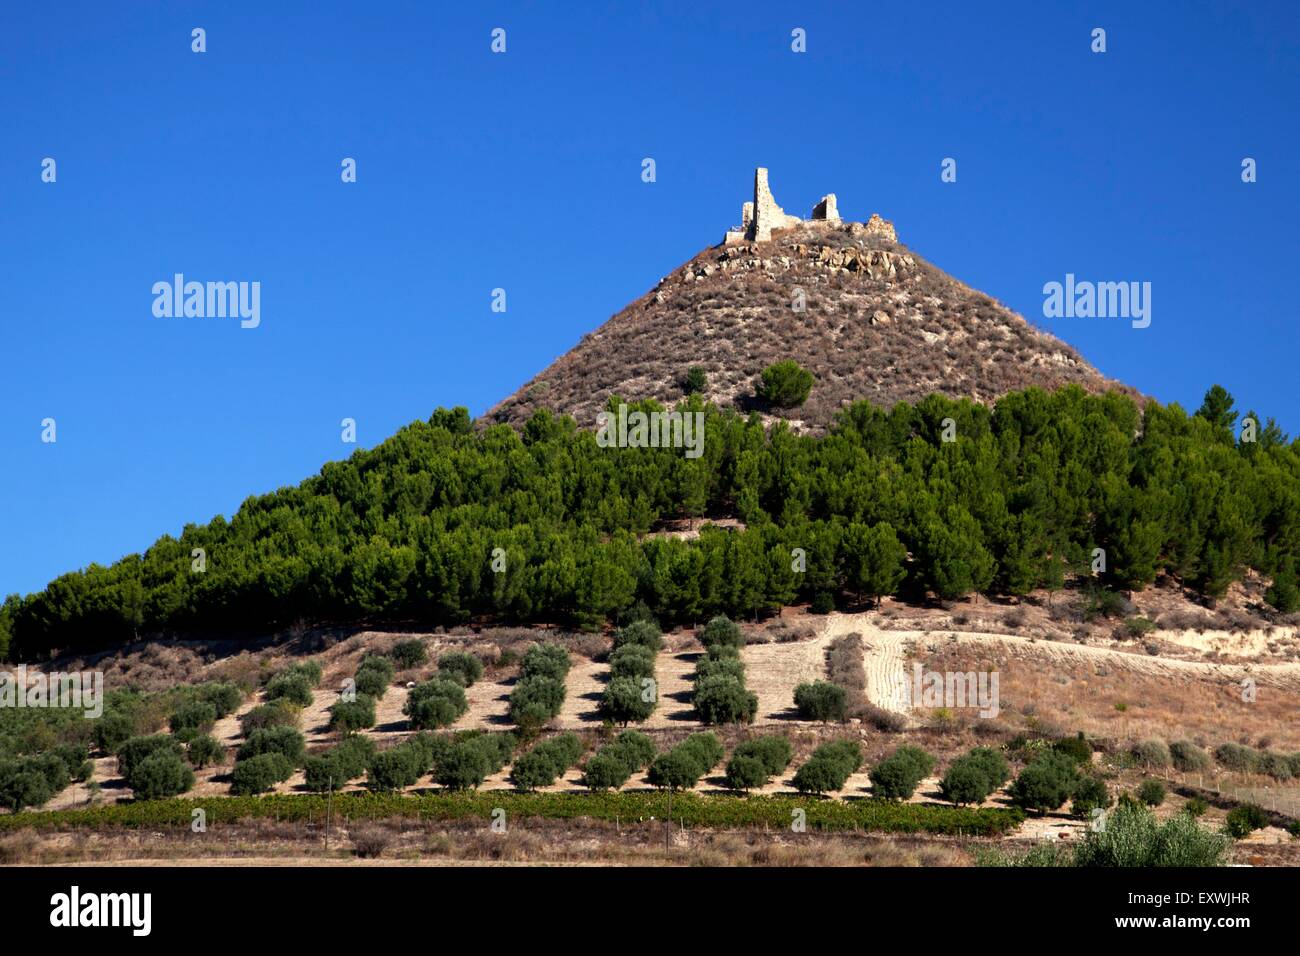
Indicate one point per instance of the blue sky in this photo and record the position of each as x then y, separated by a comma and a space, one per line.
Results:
522, 171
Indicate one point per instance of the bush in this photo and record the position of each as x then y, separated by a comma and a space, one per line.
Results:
1046, 783
632, 660
310, 671
546, 660
160, 775
683, 766
1244, 820
73, 758
896, 777
547, 761
435, 703
292, 687
374, 676
829, 767
721, 631
746, 773
1090, 794
347, 716
395, 769
468, 761
1133, 838
773, 752
1152, 793
722, 699
633, 748
535, 700
460, 667
259, 774
965, 782
285, 741
785, 384
1076, 748
823, 602
1152, 754
138, 749
280, 713
1237, 758
644, 633
821, 701
340, 765
22, 784
695, 381
195, 715
624, 702
1195, 807
224, 698
205, 751
112, 730
409, 653
1189, 758
606, 771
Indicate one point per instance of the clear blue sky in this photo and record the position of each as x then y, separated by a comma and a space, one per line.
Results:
522, 171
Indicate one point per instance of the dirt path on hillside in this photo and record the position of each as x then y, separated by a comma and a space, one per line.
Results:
886, 654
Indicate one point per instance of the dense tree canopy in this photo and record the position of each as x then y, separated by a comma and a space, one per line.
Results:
442, 522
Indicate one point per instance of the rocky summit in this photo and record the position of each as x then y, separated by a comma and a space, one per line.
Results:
848, 301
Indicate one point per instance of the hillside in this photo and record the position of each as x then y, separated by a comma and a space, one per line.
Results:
878, 323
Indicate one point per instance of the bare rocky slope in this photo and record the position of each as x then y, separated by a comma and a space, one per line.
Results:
878, 322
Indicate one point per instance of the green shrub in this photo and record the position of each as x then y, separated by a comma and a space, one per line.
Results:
1152, 754
1133, 838
352, 715
409, 653
632, 660
1196, 806
137, 749
683, 766
73, 757
605, 771
722, 699
470, 760
746, 773
1189, 758
644, 633
823, 602
112, 730
285, 741
293, 687
461, 667
722, 631
535, 700
1237, 758
1244, 820
260, 773
965, 782
785, 384
897, 776
194, 715
1090, 794
279, 713
1076, 748
205, 751
374, 676
395, 769
821, 700
695, 381
773, 752
310, 671
624, 702
161, 774
633, 748
224, 697
22, 784
435, 703
1152, 793
1275, 765
354, 755
546, 660
1046, 783
829, 767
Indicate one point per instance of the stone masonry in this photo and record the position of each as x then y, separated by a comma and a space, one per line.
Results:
758, 219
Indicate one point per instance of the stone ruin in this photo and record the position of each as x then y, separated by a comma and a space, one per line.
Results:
759, 218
